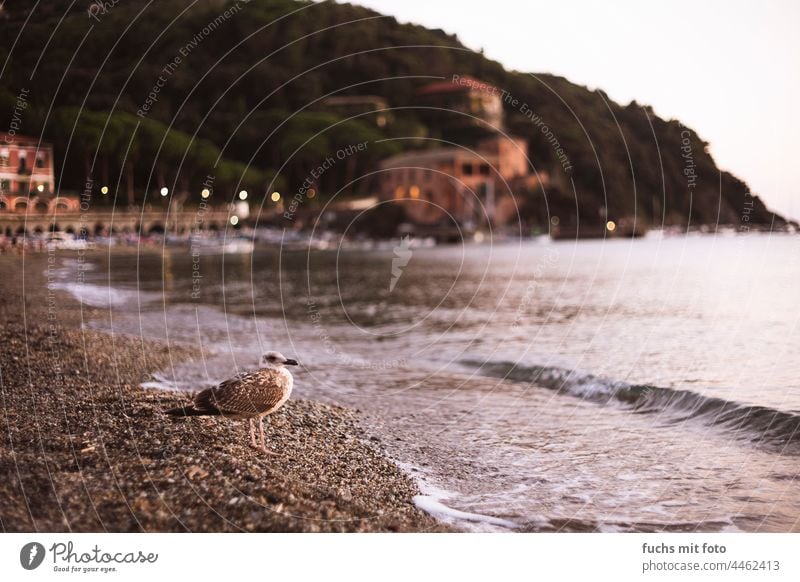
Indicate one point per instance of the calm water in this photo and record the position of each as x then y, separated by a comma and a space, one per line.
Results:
619, 385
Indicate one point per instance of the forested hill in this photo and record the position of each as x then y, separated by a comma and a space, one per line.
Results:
244, 78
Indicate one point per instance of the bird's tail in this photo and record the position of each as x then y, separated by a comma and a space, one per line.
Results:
190, 411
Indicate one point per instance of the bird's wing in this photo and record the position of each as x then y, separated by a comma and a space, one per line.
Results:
251, 393
204, 401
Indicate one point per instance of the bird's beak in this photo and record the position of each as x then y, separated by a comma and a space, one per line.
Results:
291, 363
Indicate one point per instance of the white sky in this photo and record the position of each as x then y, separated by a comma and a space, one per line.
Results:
728, 69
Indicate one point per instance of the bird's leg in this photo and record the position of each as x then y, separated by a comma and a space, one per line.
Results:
261, 434
252, 433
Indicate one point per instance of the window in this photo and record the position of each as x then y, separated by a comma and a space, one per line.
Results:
5, 185
484, 169
4, 156
466, 169
40, 159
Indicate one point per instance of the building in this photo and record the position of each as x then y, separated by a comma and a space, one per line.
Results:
468, 186
30, 206
26, 165
465, 186
479, 104
27, 178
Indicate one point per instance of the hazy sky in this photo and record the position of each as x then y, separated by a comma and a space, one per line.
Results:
728, 69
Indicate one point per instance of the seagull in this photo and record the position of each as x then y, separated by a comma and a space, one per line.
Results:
250, 396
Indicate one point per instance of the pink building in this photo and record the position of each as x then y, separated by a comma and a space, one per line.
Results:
27, 178
26, 165
471, 186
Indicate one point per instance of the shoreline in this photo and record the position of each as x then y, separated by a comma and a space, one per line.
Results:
87, 449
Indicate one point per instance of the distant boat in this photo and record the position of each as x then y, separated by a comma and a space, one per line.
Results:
227, 246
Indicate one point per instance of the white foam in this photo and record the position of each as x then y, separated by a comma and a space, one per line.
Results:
159, 381
431, 503
102, 295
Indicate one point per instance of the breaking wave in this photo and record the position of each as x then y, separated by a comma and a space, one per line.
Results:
758, 424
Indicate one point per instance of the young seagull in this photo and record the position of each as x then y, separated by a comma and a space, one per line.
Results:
250, 396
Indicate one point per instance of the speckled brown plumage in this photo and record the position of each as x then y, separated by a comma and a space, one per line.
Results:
245, 396
250, 396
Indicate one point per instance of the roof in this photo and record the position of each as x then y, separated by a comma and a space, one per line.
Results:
464, 84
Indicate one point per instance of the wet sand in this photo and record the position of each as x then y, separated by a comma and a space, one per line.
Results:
84, 448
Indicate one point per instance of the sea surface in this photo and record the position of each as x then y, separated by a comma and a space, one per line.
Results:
612, 385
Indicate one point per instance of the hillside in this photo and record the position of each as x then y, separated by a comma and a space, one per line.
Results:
240, 83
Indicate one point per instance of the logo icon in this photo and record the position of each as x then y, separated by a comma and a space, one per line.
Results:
402, 255
31, 555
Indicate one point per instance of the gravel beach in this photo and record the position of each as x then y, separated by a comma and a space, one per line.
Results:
84, 448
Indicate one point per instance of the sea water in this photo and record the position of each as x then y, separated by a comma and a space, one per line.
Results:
612, 385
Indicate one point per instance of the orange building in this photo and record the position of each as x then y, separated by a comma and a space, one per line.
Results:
26, 165
469, 186
27, 177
